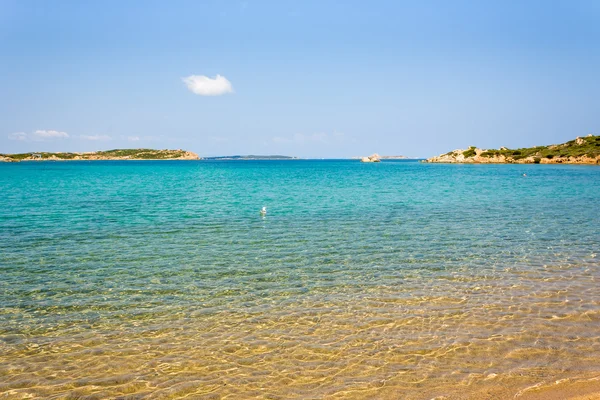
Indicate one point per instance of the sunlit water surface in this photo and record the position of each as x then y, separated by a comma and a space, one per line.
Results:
394, 280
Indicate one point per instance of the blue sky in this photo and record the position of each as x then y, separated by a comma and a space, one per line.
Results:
303, 78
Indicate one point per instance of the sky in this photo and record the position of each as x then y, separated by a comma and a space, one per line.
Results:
301, 78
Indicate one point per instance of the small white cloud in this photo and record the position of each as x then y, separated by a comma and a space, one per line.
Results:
17, 136
95, 137
39, 135
44, 134
205, 86
133, 138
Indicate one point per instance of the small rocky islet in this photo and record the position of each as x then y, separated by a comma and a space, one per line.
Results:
582, 150
377, 158
373, 158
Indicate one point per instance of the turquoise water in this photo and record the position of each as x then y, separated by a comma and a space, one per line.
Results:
390, 280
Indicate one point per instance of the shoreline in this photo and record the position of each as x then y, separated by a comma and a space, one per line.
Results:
562, 389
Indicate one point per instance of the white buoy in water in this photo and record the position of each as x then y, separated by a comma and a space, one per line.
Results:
263, 211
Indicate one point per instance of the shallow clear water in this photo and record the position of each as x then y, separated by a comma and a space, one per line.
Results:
389, 280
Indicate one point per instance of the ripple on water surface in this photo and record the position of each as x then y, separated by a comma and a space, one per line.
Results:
392, 280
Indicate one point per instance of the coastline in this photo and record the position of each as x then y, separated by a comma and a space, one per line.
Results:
562, 389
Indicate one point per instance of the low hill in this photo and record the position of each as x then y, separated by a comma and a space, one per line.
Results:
119, 154
582, 150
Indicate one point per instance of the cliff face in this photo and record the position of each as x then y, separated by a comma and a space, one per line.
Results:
122, 154
582, 150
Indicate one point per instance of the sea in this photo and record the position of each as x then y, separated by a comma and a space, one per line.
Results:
391, 280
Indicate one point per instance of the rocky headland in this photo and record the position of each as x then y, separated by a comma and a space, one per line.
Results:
582, 150
120, 154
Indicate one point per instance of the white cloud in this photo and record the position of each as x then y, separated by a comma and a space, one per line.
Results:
95, 137
205, 86
133, 138
17, 136
39, 135
44, 134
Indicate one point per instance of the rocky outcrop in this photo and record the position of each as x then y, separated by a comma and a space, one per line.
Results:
373, 158
571, 160
471, 155
188, 155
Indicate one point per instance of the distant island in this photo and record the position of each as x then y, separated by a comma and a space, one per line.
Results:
252, 157
119, 154
377, 158
582, 150
394, 158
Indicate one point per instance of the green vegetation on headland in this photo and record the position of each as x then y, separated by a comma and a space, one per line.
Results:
470, 152
582, 150
118, 154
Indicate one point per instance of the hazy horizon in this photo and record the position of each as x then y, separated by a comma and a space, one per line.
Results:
309, 79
